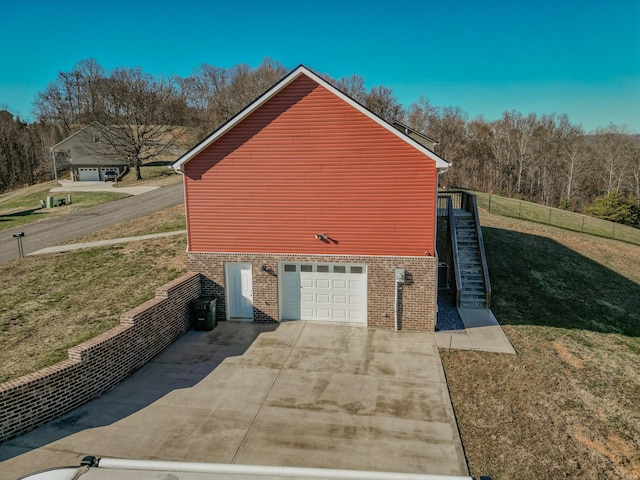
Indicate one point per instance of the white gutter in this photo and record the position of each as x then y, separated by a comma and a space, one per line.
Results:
435, 235
55, 169
265, 470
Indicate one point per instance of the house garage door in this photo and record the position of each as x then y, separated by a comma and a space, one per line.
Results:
88, 174
324, 291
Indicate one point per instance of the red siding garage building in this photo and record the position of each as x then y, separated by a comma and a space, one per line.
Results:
306, 205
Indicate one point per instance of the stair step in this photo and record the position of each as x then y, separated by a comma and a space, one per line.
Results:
469, 290
472, 298
478, 305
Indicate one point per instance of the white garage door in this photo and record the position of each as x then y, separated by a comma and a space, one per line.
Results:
324, 291
88, 174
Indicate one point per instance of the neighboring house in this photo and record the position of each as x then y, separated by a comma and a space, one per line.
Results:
308, 206
87, 156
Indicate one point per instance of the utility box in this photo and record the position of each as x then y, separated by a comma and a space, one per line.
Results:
443, 276
203, 313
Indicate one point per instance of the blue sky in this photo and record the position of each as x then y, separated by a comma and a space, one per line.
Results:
564, 56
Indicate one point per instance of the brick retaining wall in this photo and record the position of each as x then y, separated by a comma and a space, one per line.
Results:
101, 363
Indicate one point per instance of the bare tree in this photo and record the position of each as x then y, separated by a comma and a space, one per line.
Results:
216, 94
421, 115
611, 149
141, 117
353, 86
73, 98
380, 100
635, 169
24, 156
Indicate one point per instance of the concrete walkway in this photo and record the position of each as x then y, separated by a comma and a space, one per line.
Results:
68, 186
301, 394
482, 332
102, 243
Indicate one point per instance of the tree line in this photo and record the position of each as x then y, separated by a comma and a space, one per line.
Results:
546, 159
24, 151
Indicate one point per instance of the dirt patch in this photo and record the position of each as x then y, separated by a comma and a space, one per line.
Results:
619, 452
566, 355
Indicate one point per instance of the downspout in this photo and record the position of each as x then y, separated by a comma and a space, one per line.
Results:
435, 235
399, 278
395, 307
55, 169
184, 194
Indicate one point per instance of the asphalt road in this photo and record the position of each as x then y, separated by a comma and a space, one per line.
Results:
67, 227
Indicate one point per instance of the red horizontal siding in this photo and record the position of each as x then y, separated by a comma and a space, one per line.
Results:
304, 163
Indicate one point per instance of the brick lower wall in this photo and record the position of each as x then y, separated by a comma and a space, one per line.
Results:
97, 365
417, 297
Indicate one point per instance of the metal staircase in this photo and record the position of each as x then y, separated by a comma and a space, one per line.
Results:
472, 291
468, 275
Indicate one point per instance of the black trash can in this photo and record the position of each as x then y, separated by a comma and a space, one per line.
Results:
443, 274
203, 313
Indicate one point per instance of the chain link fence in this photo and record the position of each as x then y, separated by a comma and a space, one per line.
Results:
509, 207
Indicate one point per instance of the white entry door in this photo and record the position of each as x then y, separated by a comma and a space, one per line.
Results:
239, 291
327, 292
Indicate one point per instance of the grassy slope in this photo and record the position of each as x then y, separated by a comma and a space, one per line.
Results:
52, 302
568, 406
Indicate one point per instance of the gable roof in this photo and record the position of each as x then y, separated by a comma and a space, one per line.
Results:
273, 91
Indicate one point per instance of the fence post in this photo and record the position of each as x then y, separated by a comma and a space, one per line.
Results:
489, 202
582, 231
550, 216
520, 210
613, 230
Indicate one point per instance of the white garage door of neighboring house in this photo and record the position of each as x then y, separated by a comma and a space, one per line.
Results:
88, 174
324, 291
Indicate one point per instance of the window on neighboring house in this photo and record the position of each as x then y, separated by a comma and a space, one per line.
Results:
97, 138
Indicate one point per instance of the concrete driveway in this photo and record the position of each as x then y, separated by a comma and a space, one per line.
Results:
298, 394
67, 186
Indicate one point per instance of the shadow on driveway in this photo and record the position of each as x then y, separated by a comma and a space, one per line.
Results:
182, 365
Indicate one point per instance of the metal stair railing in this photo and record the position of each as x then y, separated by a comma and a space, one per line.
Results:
455, 260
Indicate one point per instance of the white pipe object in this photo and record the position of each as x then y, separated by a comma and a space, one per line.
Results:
266, 470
